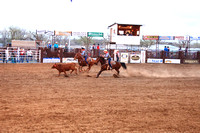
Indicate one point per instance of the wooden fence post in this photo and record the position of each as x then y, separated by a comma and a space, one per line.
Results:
61, 54
163, 54
198, 56
42, 50
181, 56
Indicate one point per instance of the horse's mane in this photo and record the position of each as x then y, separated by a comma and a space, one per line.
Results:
102, 60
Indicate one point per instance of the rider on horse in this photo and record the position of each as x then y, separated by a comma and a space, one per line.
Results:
107, 55
84, 54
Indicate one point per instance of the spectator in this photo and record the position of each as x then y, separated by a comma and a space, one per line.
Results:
21, 53
186, 51
93, 50
13, 58
7, 55
179, 48
117, 56
4, 56
98, 49
166, 51
29, 54
49, 45
66, 47
56, 46
93, 47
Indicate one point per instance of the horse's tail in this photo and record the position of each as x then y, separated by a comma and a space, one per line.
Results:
123, 65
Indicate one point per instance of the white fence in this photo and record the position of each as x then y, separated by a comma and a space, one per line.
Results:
17, 55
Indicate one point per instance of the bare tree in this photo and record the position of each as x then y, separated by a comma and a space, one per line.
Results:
5, 37
17, 33
146, 43
86, 41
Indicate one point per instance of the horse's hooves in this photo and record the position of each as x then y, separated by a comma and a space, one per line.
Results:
115, 76
66, 76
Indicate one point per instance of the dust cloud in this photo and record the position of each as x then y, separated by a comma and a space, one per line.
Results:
162, 70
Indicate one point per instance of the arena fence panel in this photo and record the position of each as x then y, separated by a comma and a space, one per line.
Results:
18, 55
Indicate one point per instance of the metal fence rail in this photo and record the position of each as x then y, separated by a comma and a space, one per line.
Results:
17, 56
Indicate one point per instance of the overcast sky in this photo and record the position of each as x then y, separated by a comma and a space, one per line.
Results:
158, 17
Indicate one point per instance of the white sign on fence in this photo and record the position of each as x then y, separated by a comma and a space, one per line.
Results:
135, 58
173, 61
79, 33
51, 60
69, 60
124, 57
149, 60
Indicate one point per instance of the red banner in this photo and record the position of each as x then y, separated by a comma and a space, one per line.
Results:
179, 38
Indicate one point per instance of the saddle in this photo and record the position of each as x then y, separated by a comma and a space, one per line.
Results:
89, 59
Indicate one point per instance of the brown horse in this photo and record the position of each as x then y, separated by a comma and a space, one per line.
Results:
104, 66
82, 62
52, 54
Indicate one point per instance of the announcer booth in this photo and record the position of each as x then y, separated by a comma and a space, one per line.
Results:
126, 35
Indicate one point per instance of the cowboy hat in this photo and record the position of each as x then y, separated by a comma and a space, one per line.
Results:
105, 50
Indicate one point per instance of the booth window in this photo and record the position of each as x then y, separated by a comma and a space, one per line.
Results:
128, 30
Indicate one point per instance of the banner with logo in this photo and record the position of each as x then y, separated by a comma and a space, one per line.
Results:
63, 33
135, 58
149, 37
79, 33
179, 38
124, 57
187, 61
173, 61
51, 60
69, 60
149, 60
47, 32
166, 37
50, 33
196, 38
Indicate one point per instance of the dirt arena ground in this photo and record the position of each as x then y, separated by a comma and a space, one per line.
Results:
146, 98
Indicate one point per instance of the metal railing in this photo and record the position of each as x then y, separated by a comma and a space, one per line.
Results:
20, 56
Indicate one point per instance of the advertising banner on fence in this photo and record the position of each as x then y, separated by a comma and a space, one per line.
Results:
173, 61
166, 37
47, 32
79, 33
191, 61
51, 60
179, 38
149, 60
124, 57
69, 60
135, 58
148, 37
196, 38
63, 33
